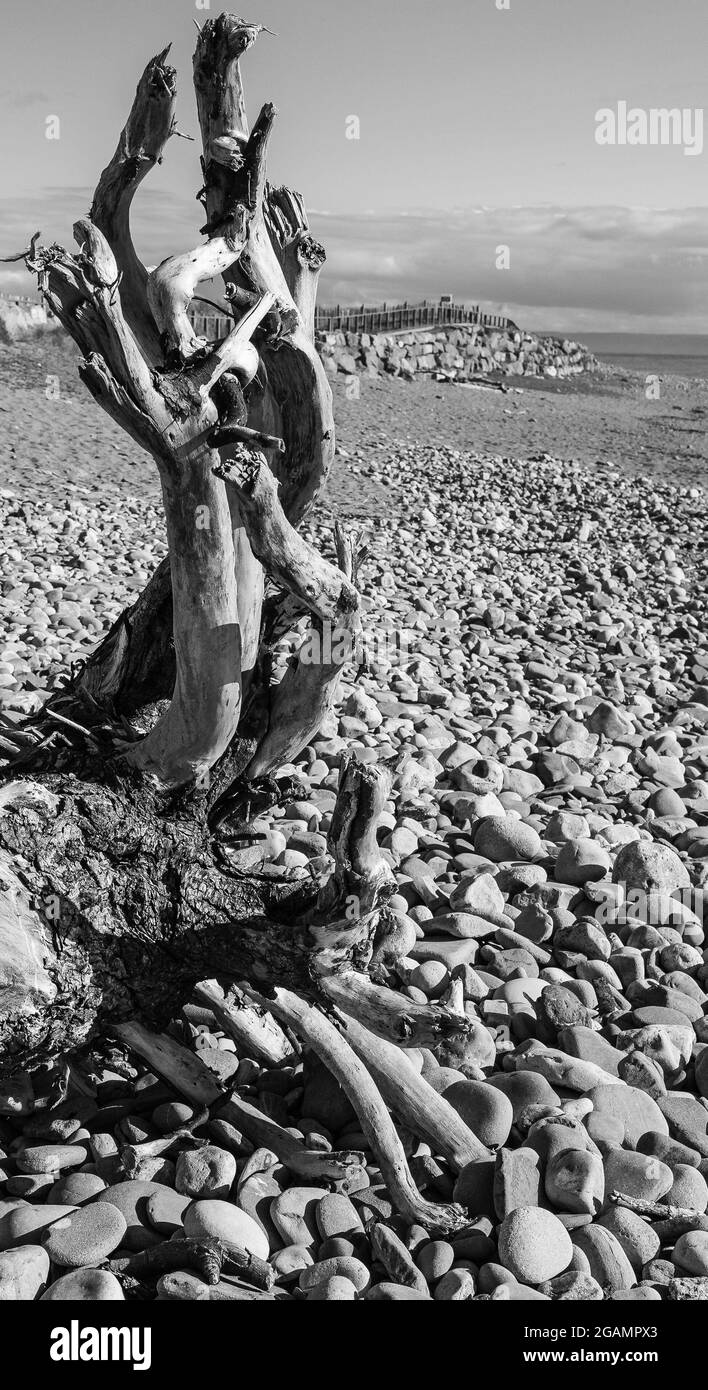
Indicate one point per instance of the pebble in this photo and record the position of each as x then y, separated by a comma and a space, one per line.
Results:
605, 1257
289, 1262
637, 1175
23, 1274
344, 1267
575, 1181
50, 1158
690, 1253
484, 1109
634, 1110
85, 1286
205, 1172
165, 1209
435, 1259
76, 1188
222, 1220
336, 1215
457, 1286
637, 1237
25, 1224
534, 1245
131, 1198
337, 1289
85, 1237
503, 838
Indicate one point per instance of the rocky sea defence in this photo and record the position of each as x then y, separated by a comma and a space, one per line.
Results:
453, 354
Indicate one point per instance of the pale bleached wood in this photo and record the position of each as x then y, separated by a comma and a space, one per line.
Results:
140, 147
255, 1030
319, 1033
413, 1100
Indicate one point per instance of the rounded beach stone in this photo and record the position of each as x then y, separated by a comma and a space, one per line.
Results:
690, 1253
85, 1285
432, 977
638, 1239
223, 1220
205, 1172
637, 1175
572, 1287
435, 1259
575, 1181
457, 1286
534, 1245
336, 1215
131, 1198
605, 1258
484, 1109
86, 1237
32, 1186
76, 1188
643, 1293
50, 1158
606, 1131
506, 838
24, 1225
165, 1209
394, 1293
634, 1110
442, 1077
23, 1274
491, 1275
582, 861
474, 1187
343, 1266
524, 1088
689, 1189
290, 1261
518, 1293
294, 1215
172, 1114
651, 867
337, 1289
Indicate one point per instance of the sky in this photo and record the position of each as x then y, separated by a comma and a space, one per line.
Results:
476, 131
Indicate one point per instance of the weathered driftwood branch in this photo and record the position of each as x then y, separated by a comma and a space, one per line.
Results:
211, 1259
140, 147
194, 1080
255, 1030
412, 1100
325, 1039
389, 1014
216, 583
311, 1164
300, 256
668, 1221
109, 922
289, 559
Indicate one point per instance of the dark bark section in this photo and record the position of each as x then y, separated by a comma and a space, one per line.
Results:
132, 911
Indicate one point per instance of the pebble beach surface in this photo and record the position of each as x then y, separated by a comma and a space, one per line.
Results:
537, 651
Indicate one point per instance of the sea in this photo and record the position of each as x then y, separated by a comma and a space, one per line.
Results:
662, 354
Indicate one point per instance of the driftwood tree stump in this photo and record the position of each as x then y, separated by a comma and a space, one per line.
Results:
117, 801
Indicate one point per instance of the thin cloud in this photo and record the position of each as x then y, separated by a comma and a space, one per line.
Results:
161, 222
608, 267
643, 269
21, 101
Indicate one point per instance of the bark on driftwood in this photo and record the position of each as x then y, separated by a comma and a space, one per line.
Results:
117, 895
